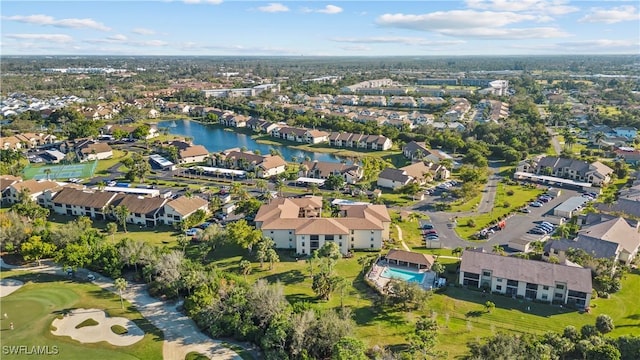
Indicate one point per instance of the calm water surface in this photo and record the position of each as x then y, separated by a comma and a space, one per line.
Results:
216, 139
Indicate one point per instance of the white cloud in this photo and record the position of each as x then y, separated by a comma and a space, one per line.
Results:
330, 9
65, 23
551, 7
461, 19
273, 8
117, 37
214, 2
600, 44
58, 38
143, 31
612, 15
355, 48
398, 40
472, 24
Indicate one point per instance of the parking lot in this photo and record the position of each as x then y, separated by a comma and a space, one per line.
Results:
518, 225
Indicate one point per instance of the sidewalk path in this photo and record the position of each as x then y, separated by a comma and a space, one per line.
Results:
181, 335
404, 245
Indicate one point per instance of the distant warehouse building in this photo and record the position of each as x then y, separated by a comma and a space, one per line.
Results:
570, 207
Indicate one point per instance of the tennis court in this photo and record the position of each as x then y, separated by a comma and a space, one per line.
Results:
60, 172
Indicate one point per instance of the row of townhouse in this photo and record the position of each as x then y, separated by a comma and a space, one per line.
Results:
76, 200
418, 151
296, 223
601, 236
420, 172
23, 141
526, 279
351, 173
491, 111
595, 173
360, 141
265, 166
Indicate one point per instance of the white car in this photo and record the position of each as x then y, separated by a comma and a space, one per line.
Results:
191, 232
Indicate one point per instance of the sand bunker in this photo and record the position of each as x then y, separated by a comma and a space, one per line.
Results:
7, 286
101, 332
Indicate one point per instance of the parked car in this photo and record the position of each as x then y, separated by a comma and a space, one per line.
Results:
191, 232
538, 231
204, 225
432, 238
536, 204
430, 232
427, 226
525, 210
543, 200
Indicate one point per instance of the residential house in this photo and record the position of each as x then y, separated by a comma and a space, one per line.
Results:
351, 173
192, 154
94, 151
316, 136
82, 202
265, 166
528, 279
426, 171
371, 142
143, 211
629, 155
296, 223
616, 238
32, 188
6, 181
417, 151
595, 173
290, 133
181, 208
394, 178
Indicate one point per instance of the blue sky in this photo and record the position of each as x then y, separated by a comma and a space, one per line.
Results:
318, 28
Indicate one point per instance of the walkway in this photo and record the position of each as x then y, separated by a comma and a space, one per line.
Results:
181, 335
555, 142
404, 245
489, 192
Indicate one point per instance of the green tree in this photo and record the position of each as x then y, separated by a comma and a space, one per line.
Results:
604, 324
349, 348
424, 340
121, 212
245, 268
112, 229
120, 284
334, 182
241, 233
437, 267
489, 306
35, 249
137, 166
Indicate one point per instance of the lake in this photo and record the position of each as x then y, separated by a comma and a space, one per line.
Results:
216, 139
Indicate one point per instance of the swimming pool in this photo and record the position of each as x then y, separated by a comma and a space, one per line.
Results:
405, 275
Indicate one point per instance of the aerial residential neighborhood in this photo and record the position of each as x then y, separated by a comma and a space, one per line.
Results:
391, 186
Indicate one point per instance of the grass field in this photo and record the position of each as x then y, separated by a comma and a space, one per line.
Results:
521, 196
106, 164
44, 297
459, 312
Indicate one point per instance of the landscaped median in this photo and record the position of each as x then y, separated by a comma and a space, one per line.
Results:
509, 198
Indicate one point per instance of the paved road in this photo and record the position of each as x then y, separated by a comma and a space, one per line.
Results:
489, 192
554, 141
180, 333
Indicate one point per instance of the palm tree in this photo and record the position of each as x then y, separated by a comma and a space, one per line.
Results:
497, 248
279, 186
597, 138
261, 185
121, 284
47, 171
245, 267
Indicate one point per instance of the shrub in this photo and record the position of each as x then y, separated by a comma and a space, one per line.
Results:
471, 223
119, 330
510, 192
88, 322
506, 204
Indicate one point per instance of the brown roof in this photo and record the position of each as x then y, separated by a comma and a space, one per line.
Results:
6, 180
531, 271
186, 205
86, 198
270, 162
195, 150
97, 147
139, 204
35, 186
410, 257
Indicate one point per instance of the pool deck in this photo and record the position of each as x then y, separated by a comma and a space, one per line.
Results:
380, 281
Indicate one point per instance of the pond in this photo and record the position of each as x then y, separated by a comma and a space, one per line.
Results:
217, 139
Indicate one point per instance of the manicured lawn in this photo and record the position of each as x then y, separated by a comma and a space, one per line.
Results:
460, 312
521, 196
159, 235
466, 205
104, 165
45, 297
